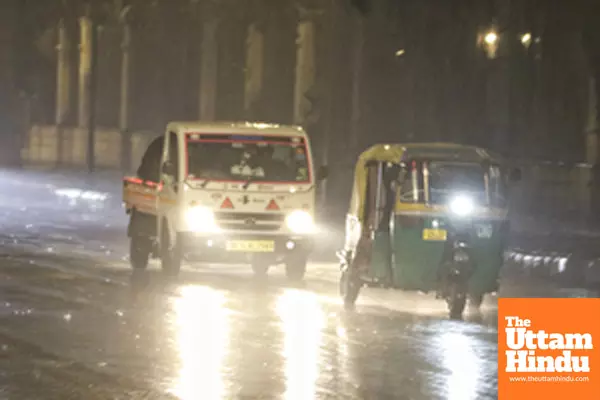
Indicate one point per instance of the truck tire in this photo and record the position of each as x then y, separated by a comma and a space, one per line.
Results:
295, 268
140, 248
141, 224
170, 253
260, 268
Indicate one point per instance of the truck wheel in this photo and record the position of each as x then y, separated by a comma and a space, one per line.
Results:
295, 268
140, 248
170, 254
141, 224
260, 268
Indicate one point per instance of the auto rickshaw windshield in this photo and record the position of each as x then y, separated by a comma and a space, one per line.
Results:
447, 179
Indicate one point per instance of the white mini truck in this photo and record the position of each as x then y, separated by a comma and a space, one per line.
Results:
224, 193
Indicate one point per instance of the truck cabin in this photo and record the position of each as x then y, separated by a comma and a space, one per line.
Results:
232, 154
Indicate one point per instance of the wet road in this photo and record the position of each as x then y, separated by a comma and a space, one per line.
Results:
72, 327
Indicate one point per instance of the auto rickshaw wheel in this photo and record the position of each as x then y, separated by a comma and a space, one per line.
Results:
170, 254
457, 300
349, 288
475, 300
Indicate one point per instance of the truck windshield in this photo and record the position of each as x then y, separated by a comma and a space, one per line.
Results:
446, 179
255, 158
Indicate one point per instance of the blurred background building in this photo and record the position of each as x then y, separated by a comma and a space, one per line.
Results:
520, 77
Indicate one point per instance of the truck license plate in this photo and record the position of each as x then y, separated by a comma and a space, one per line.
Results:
253, 246
439, 235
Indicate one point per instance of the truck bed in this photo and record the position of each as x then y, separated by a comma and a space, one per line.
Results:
140, 195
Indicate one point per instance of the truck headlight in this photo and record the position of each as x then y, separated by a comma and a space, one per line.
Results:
300, 222
462, 206
201, 219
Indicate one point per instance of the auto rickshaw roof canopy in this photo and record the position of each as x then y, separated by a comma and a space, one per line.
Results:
399, 153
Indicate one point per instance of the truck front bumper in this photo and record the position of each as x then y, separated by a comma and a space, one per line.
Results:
236, 247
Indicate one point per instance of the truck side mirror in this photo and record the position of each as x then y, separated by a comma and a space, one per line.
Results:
168, 168
515, 175
322, 173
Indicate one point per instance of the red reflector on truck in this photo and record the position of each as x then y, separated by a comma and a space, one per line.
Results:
272, 206
227, 203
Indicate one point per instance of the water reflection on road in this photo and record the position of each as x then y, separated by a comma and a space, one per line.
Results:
302, 324
462, 365
202, 334
296, 344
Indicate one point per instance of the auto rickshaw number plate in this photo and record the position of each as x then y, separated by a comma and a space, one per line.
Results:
252, 246
439, 235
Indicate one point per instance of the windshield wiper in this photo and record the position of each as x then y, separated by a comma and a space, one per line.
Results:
202, 185
247, 183
186, 182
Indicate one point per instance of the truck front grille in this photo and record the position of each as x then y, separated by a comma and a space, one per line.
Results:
233, 216
246, 227
265, 222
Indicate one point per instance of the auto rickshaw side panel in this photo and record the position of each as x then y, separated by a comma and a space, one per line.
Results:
416, 260
381, 258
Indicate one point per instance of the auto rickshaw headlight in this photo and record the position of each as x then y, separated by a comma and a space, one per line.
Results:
201, 219
462, 205
300, 222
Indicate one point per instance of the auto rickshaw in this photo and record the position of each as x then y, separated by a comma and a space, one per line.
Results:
427, 217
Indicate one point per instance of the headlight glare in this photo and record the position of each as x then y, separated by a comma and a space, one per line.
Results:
462, 206
201, 219
300, 222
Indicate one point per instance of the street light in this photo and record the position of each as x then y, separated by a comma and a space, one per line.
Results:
526, 39
491, 38
489, 42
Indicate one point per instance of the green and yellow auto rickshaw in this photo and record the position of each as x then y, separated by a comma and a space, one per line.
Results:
427, 217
